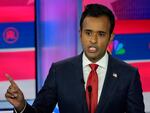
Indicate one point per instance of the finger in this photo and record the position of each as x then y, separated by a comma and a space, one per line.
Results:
12, 96
13, 87
10, 79
12, 90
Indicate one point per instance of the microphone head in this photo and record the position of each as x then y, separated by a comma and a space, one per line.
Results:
89, 88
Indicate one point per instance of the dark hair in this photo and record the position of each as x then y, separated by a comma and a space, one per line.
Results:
97, 10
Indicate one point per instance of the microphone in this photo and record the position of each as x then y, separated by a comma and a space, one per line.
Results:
90, 91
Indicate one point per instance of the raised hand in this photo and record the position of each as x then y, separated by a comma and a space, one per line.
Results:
14, 95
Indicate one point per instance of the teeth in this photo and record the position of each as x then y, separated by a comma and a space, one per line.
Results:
92, 49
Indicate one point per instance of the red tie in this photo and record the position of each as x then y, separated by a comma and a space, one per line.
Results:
92, 89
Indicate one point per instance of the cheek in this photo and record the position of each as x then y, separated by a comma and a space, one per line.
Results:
102, 44
84, 41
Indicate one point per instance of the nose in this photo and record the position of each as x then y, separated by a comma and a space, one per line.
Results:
94, 38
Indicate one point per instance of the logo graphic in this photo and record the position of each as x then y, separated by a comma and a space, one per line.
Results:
10, 35
118, 48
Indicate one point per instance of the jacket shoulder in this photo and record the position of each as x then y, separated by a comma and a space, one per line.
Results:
75, 60
121, 65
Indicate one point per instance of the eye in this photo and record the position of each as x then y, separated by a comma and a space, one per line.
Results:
88, 33
101, 34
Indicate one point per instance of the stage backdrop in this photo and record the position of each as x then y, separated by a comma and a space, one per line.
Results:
17, 47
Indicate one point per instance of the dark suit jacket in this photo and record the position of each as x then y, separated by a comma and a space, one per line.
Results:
64, 84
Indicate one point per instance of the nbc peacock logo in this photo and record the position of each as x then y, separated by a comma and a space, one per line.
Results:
118, 47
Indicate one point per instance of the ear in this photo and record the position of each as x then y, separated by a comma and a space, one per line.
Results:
111, 37
80, 31
110, 45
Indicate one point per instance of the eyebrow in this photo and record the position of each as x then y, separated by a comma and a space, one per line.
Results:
87, 30
94, 31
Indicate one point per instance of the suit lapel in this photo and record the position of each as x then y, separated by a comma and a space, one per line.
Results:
79, 73
109, 86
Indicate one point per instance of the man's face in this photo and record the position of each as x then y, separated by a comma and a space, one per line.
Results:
95, 36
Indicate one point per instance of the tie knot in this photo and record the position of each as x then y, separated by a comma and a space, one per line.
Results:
93, 67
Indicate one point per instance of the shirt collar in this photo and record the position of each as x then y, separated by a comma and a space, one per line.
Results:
103, 62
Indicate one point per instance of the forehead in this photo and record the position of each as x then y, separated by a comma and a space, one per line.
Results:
101, 23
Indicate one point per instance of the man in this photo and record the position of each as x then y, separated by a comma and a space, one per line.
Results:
93, 81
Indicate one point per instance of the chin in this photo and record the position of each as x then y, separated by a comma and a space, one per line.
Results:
93, 58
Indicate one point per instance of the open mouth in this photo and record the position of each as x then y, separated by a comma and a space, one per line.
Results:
92, 49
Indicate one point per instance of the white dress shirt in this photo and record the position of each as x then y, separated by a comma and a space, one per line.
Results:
101, 71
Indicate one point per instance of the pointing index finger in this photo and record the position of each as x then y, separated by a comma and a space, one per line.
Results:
10, 79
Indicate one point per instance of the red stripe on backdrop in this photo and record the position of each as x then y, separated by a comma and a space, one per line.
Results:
132, 26
4, 3
17, 14
144, 70
20, 65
